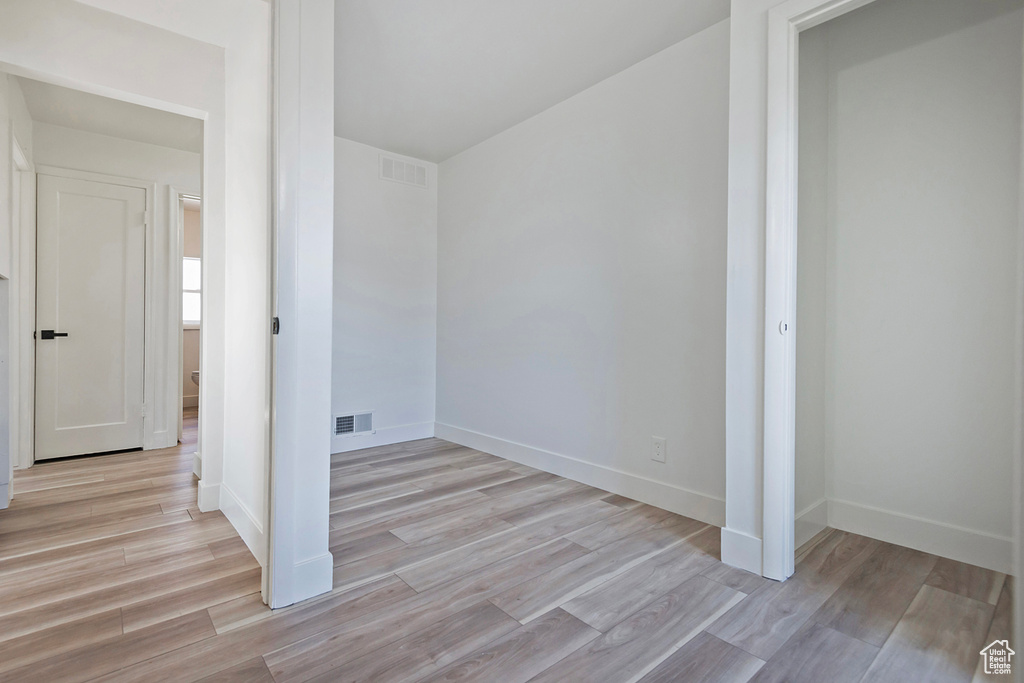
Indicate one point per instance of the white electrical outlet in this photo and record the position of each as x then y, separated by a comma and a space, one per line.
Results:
658, 448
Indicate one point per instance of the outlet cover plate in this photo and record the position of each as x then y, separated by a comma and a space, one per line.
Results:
658, 448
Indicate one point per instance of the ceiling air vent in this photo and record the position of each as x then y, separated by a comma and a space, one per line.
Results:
357, 423
404, 172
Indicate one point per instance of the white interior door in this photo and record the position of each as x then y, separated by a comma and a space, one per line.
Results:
90, 313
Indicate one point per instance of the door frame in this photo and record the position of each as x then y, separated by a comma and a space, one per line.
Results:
23, 311
154, 364
785, 22
300, 561
176, 232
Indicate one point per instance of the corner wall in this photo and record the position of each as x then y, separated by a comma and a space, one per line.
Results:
385, 298
581, 284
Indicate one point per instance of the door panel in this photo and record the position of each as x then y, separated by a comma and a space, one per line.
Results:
91, 287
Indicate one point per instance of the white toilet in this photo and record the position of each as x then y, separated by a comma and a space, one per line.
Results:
195, 377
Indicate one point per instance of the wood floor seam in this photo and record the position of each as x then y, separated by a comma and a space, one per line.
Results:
594, 584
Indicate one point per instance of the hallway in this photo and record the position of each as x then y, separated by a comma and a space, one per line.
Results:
106, 560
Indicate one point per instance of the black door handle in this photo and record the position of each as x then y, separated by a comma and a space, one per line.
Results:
50, 334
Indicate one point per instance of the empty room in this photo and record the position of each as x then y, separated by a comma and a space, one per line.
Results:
554, 340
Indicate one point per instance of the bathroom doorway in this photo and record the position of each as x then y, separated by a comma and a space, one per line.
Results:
190, 235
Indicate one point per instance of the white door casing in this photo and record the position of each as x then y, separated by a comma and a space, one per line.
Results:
785, 21
300, 559
91, 285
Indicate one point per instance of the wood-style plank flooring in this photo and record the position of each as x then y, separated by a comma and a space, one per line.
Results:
455, 565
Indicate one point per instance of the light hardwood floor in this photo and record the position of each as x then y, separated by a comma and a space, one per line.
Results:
454, 565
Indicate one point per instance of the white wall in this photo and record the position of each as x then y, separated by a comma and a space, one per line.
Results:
744, 352
15, 339
245, 311
581, 283
84, 151
919, 316
385, 298
15, 122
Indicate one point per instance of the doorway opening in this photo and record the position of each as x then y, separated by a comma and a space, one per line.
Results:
96, 271
892, 372
189, 222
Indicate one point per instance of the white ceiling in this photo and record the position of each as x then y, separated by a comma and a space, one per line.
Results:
431, 79
60, 106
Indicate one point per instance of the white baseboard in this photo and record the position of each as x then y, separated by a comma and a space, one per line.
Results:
247, 526
741, 550
189, 402
956, 543
209, 497
660, 494
314, 577
310, 578
810, 522
197, 465
382, 437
